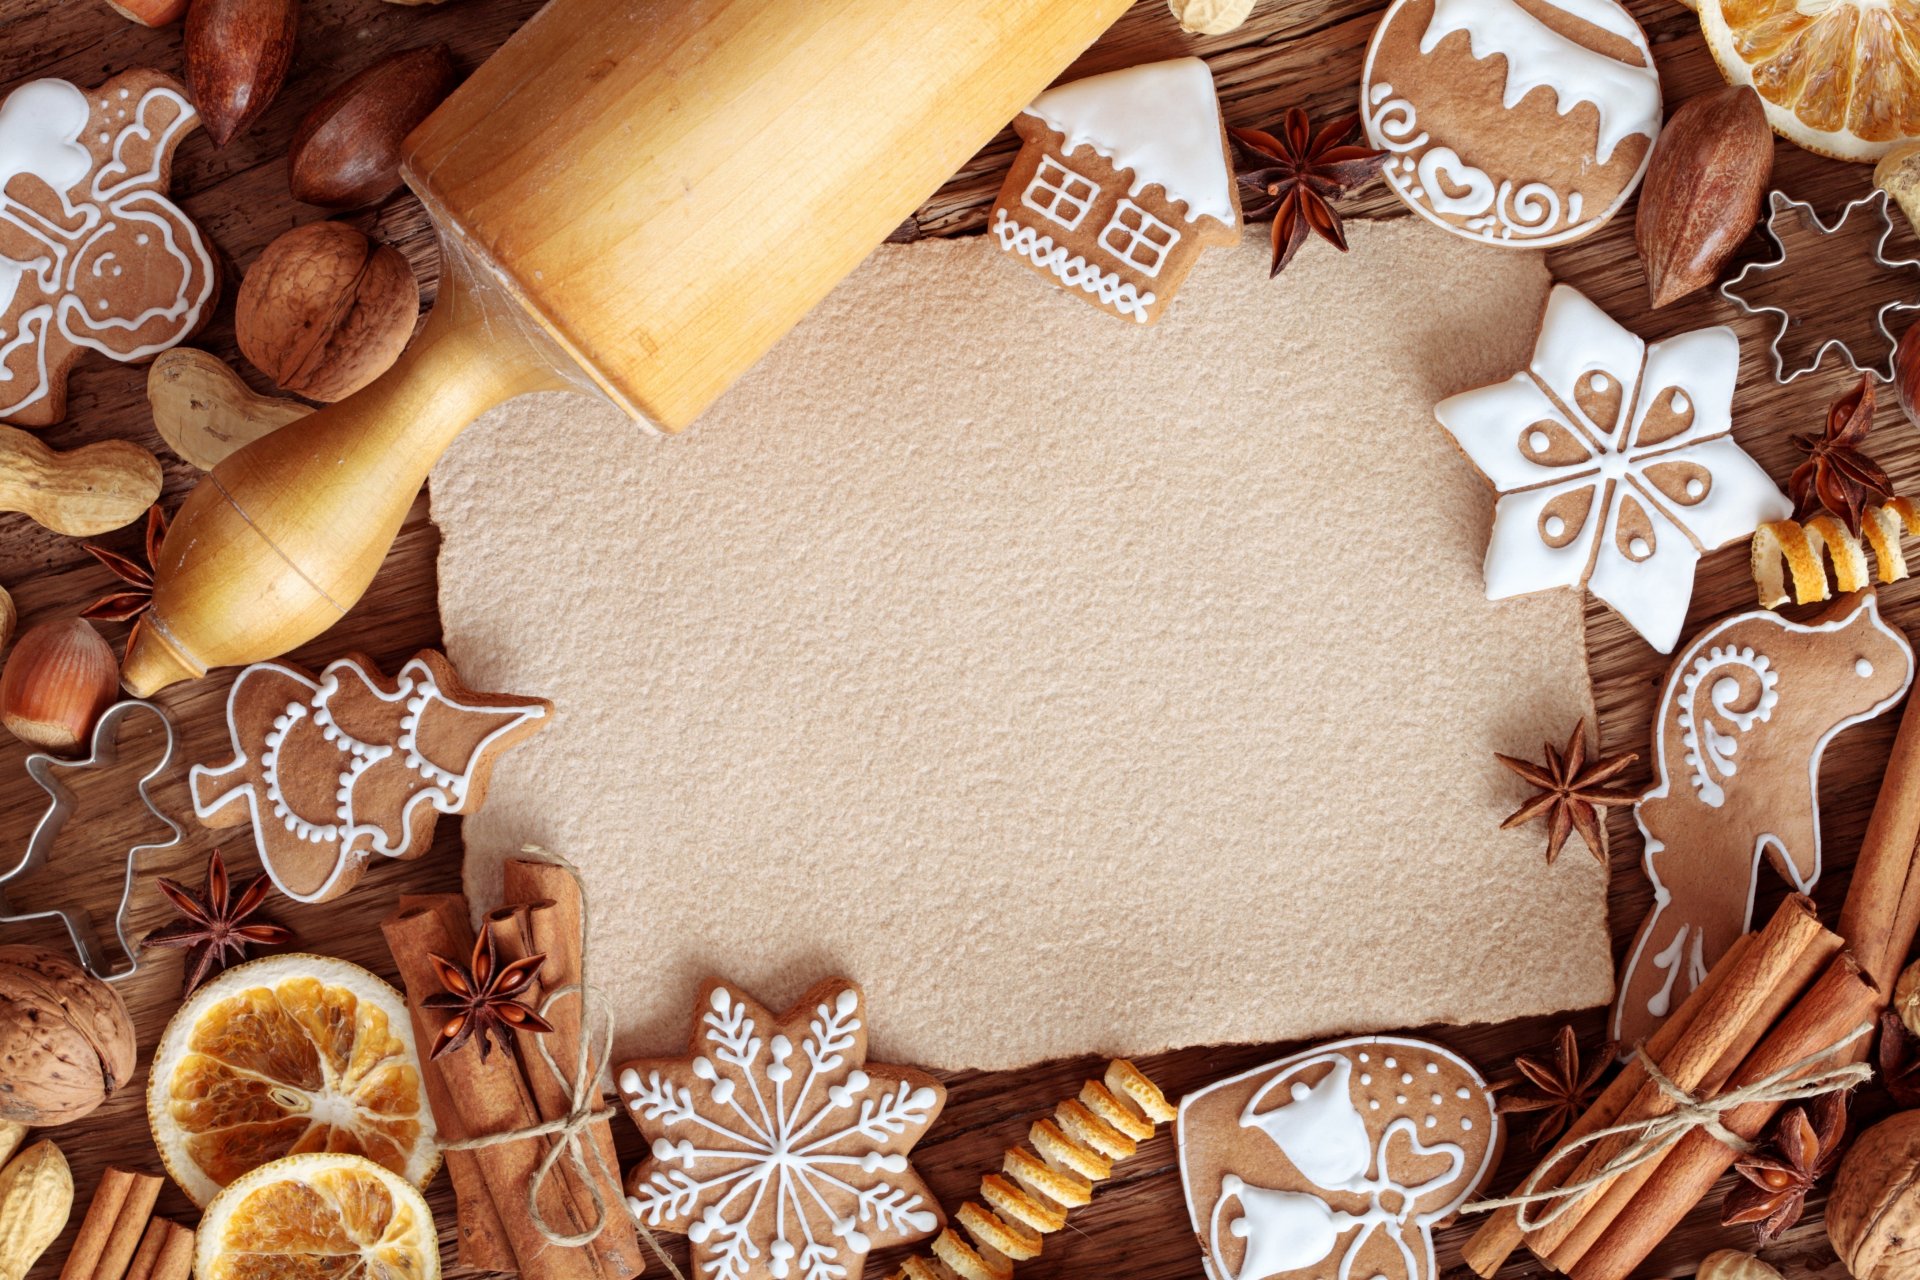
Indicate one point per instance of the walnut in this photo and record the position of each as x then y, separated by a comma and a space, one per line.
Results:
66, 1042
1873, 1215
1731, 1264
324, 310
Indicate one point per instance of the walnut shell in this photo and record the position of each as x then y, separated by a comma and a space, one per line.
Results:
1873, 1215
1731, 1264
66, 1042
1906, 997
324, 310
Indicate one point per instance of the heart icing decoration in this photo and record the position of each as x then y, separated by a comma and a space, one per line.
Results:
1442, 172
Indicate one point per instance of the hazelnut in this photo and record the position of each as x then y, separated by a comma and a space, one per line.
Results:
57, 681
324, 310
1731, 1264
1873, 1215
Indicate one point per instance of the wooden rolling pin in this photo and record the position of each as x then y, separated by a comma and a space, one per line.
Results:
639, 196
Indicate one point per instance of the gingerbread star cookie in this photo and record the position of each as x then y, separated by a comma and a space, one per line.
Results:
93, 255
1614, 463
1512, 122
1338, 1161
778, 1149
1746, 711
335, 769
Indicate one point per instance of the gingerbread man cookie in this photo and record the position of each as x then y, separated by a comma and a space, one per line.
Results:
334, 770
1355, 1150
778, 1149
1745, 714
93, 255
1512, 122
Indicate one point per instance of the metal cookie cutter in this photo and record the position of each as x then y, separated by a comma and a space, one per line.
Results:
41, 767
1779, 204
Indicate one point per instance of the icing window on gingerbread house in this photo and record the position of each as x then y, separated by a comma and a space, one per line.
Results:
1060, 193
1138, 238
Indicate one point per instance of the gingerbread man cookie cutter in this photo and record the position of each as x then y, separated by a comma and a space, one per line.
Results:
104, 753
1779, 205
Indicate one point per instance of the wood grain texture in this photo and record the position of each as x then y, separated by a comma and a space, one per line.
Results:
1305, 51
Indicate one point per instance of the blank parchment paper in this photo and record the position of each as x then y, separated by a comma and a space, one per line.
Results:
1072, 685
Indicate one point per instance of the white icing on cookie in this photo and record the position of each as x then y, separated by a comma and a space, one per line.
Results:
1673, 406
1161, 120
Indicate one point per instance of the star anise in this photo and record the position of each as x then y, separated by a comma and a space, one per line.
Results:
1806, 1145
1836, 475
1562, 1090
131, 603
1570, 792
219, 924
1898, 1056
1295, 174
480, 996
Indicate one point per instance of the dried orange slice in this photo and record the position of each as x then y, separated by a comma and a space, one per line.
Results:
1838, 77
286, 1055
318, 1217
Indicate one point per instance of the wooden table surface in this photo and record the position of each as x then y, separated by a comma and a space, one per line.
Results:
1292, 51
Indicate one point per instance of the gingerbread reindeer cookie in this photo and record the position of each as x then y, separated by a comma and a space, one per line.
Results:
1338, 1161
1745, 714
334, 770
93, 255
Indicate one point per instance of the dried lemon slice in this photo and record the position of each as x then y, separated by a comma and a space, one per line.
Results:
318, 1217
291, 1054
1838, 77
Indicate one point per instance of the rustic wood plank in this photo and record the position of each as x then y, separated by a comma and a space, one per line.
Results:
1291, 51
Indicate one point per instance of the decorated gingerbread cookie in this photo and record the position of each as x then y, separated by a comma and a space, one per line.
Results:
93, 255
334, 770
778, 1149
1745, 714
1515, 122
1614, 464
1121, 180
1339, 1161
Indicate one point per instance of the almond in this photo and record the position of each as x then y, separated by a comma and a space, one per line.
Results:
346, 152
237, 57
1703, 189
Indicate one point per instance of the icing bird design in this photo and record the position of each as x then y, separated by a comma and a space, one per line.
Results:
1745, 714
93, 255
337, 769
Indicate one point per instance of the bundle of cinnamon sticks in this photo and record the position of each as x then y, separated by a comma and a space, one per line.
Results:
1778, 997
497, 1186
120, 1239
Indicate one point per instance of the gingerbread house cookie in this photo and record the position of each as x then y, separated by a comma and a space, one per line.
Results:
1512, 122
93, 255
1337, 1161
1122, 178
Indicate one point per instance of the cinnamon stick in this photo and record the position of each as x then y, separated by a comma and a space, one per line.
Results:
1724, 1024
110, 1233
1488, 1249
551, 910
1841, 1000
1794, 985
176, 1256
1881, 916
489, 1099
482, 1240
141, 1268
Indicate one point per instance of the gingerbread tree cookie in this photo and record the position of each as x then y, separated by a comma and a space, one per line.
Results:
334, 770
1338, 1161
778, 1149
93, 255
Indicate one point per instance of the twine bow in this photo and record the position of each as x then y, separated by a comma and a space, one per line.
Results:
1653, 1137
585, 1107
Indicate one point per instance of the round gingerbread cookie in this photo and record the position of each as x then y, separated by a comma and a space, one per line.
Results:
1515, 122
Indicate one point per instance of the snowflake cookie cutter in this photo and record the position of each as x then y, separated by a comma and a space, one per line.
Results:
103, 753
1779, 204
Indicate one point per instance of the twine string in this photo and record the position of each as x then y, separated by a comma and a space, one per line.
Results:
585, 1108
1652, 1138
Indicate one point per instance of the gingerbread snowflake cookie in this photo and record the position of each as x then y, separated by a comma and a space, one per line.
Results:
778, 1149
93, 255
336, 769
1514, 122
1121, 180
1614, 464
1340, 1160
